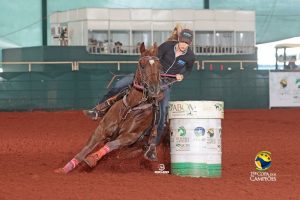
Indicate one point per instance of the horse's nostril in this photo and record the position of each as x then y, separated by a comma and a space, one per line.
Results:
151, 89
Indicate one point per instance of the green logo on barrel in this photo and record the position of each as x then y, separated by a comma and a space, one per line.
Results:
181, 131
219, 107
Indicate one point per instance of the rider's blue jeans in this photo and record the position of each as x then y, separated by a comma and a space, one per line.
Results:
123, 83
120, 85
163, 106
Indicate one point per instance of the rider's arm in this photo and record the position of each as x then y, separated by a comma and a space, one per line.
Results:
189, 65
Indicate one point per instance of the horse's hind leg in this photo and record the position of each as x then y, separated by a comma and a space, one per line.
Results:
121, 141
93, 141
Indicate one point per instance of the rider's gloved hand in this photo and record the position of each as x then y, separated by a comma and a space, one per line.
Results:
179, 77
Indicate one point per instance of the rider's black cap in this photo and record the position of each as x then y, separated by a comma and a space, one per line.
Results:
186, 35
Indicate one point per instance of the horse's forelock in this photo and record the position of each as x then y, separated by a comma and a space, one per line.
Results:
150, 52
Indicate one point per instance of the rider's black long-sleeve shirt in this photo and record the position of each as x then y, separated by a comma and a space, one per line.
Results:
182, 64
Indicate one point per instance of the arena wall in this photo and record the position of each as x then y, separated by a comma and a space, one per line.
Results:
59, 86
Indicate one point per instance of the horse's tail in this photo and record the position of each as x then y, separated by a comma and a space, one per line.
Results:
175, 33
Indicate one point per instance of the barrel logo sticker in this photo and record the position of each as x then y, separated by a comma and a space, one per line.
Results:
211, 132
176, 108
283, 83
199, 131
219, 107
183, 147
190, 109
182, 109
181, 131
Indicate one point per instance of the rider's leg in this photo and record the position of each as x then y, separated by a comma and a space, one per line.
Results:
150, 153
164, 104
113, 95
118, 87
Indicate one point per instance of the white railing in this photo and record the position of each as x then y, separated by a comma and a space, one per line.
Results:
198, 50
106, 49
39, 63
241, 62
75, 65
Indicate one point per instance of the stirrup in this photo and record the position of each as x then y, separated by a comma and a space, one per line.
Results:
150, 153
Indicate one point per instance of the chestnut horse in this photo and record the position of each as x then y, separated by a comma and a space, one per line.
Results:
128, 118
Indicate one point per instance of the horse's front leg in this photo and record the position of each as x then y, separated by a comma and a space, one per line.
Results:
93, 141
123, 140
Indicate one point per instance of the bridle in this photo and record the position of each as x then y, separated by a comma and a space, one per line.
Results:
144, 85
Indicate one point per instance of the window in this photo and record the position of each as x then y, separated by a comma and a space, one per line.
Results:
244, 42
98, 41
224, 42
119, 42
96, 37
204, 41
160, 36
141, 36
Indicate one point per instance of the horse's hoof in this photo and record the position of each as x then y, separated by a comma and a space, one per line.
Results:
84, 168
60, 171
91, 161
151, 154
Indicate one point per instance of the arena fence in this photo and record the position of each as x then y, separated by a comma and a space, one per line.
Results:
77, 85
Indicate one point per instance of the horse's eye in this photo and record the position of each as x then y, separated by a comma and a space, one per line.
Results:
142, 64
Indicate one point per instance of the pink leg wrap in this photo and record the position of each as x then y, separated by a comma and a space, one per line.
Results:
104, 150
71, 165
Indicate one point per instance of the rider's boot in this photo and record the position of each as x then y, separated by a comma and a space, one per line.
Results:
98, 111
101, 109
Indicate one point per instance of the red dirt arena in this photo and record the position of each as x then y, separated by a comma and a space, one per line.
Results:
34, 144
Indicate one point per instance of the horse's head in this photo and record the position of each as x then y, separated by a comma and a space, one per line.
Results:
148, 73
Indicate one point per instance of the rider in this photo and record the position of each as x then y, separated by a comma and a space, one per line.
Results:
176, 59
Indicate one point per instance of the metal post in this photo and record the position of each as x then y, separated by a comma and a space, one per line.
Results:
44, 22
206, 4
284, 58
276, 59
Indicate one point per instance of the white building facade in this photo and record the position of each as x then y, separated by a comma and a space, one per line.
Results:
105, 30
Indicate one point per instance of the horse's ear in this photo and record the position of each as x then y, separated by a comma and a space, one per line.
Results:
155, 49
142, 48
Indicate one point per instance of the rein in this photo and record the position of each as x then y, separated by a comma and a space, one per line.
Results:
140, 105
164, 86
